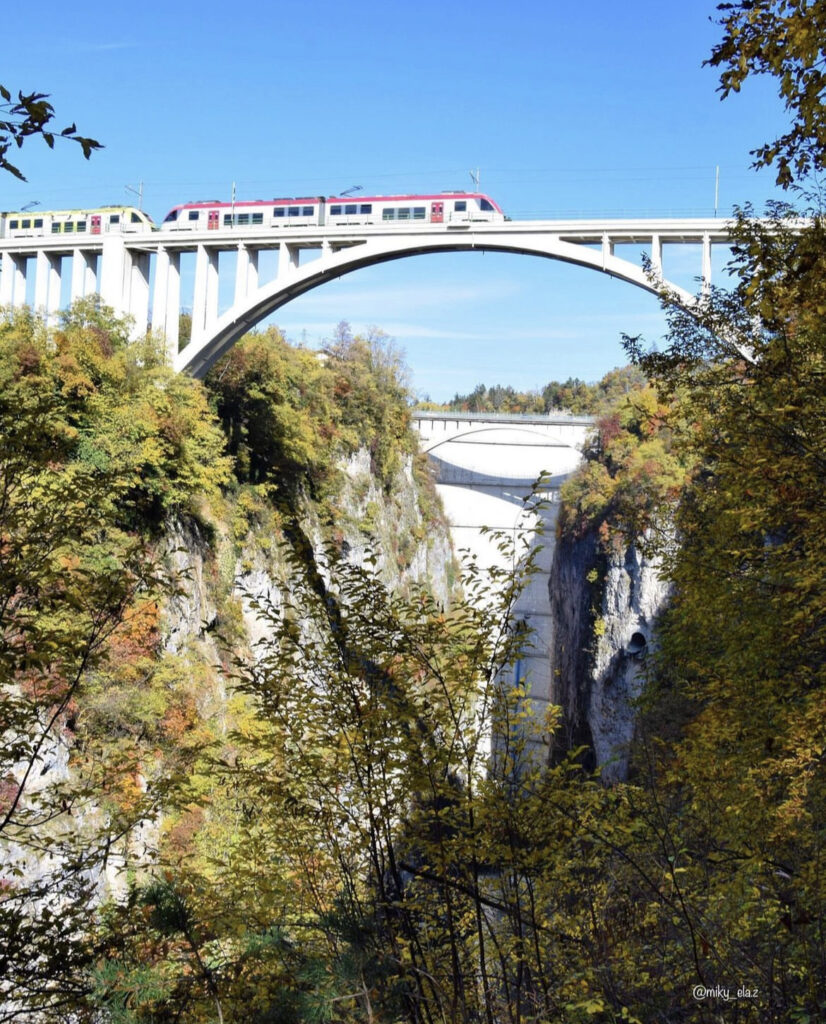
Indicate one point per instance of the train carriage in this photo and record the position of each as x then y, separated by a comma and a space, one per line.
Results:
449, 208
103, 220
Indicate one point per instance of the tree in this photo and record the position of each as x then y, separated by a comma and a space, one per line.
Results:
741, 675
99, 441
785, 39
28, 115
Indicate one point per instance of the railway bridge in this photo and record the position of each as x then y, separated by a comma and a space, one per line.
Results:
139, 274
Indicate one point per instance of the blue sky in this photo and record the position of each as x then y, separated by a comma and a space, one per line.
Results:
583, 109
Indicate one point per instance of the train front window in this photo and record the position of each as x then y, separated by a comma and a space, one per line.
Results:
485, 205
172, 215
135, 218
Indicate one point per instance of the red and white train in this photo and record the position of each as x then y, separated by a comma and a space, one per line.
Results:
444, 208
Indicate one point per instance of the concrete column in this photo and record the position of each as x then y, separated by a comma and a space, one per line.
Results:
8, 276
139, 292
657, 255
43, 279
205, 299
173, 303
114, 280
607, 249
706, 263
287, 259
252, 271
159, 292
54, 289
166, 298
246, 272
80, 274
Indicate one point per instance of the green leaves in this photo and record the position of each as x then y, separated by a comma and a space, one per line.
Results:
31, 114
785, 39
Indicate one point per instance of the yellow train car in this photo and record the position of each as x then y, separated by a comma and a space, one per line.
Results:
104, 220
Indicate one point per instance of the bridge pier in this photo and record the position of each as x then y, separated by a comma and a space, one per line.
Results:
205, 298
246, 272
166, 298
84, 274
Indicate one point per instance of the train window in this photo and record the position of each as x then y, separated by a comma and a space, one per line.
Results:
227, 220
55, 228
38, 222
279, 211
460, 206
68, 227
13, 225
242, 218
292, 211
350, 209
135, 218
258, 218
366, 208
388, 213
335, 211
172, 215
81, 225
194, 214
115, 218
307, 211
403, 213
418, 213
26, 224
484, 204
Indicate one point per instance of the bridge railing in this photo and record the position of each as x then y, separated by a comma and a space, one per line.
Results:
548, 419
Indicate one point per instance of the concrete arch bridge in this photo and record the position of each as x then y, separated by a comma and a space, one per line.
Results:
140, 274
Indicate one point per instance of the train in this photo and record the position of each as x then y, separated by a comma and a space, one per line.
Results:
451, 208
101, 221
335, 211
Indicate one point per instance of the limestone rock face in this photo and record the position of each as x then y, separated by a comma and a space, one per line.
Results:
220, 584
605, 608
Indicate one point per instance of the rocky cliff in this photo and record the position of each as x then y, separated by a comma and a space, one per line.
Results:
604, 608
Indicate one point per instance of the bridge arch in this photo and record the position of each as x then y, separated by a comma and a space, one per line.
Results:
548, 440
208, 345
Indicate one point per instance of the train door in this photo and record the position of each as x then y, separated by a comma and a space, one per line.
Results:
212, 220
95, 219
437, 213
